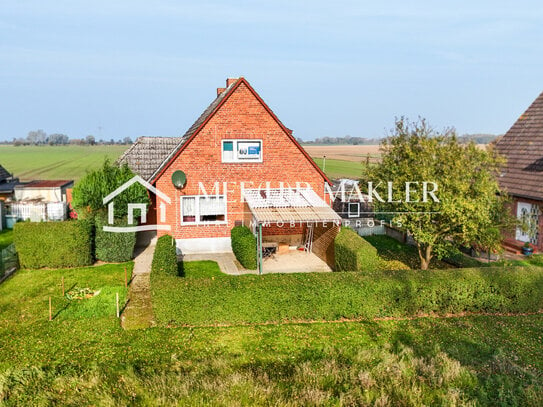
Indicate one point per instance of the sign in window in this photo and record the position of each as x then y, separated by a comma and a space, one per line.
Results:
241, 151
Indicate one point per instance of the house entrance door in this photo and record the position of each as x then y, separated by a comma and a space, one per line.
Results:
529, 215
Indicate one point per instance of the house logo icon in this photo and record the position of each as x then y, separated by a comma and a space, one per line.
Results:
108, 200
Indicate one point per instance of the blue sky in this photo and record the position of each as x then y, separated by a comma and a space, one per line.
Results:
132, 68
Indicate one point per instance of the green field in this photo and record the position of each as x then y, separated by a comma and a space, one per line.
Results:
341, 168
84, 357
71, 162
55, 162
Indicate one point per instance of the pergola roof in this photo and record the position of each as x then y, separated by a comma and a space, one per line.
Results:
284, 205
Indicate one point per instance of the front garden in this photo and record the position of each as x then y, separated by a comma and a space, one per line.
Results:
84, 357
371, 337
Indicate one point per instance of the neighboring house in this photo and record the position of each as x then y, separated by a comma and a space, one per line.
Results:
46, 191
522, 177
234, 148
38, 201
7, 184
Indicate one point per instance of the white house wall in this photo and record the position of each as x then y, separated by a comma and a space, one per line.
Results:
204, 245
45, 194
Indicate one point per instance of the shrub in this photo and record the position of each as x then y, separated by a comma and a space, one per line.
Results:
333, 296
54, 244
113, 247
89, 192
244, 246
354, 253
165, 256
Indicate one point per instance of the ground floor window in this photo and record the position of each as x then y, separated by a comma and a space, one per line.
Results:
203, 209
528, 214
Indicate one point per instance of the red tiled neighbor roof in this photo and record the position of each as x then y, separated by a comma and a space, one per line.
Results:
522, 145
45, 184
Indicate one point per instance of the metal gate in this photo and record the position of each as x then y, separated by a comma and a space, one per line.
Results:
8, 259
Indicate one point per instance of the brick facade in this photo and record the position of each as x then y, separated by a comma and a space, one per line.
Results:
323, 242
242, 116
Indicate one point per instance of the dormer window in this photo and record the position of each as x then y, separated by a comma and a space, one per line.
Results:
241, 151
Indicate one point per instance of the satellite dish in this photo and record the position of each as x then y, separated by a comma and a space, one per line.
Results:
179, 179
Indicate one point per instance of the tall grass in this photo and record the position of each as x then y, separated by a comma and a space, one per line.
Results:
380, 377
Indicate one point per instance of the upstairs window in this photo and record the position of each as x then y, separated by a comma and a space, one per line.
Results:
239, 151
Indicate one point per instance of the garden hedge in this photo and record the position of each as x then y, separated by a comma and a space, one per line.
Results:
113, 247
334, 296
354, 253
244, 246
54, 244
165, 256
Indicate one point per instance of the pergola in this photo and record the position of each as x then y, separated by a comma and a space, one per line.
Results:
283, 206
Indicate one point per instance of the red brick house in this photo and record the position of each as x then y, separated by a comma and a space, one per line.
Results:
252, 170
522, 177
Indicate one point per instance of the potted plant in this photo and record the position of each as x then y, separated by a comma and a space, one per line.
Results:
528, 249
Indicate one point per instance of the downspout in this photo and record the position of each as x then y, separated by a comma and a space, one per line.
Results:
260, 259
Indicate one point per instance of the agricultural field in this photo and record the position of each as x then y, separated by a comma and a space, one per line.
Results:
343, 161
55, 162
343, 152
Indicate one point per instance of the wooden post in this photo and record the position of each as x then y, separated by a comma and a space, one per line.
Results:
125, 278
117, 302
50, 310
63, 286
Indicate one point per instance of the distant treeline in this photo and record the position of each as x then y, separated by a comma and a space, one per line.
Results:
40, 137
355, 141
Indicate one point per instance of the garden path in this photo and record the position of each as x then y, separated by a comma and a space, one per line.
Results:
139, 311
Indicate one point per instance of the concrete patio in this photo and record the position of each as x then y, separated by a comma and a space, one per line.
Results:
292, 262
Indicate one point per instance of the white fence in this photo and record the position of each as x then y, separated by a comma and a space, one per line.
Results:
39, 211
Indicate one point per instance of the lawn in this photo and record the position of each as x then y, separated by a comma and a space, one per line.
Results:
200, 269
6, 238
85, 358
340, 168
55, 162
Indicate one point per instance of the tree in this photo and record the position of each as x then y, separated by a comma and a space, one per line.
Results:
37, 137
89, 192
470, 209
90, 140
56, 139
127, 140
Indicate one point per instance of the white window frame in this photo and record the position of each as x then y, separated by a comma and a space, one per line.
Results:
198, 220
353, 214
235, 146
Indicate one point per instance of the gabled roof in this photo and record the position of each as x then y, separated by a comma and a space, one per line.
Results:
208, 114
522, 145
147, 153
46, 184
7, 188
4, 174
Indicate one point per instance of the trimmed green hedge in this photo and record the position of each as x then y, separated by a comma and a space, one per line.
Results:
165, 256
354, 253
333, 296
113, 247
244, 246
54, 244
